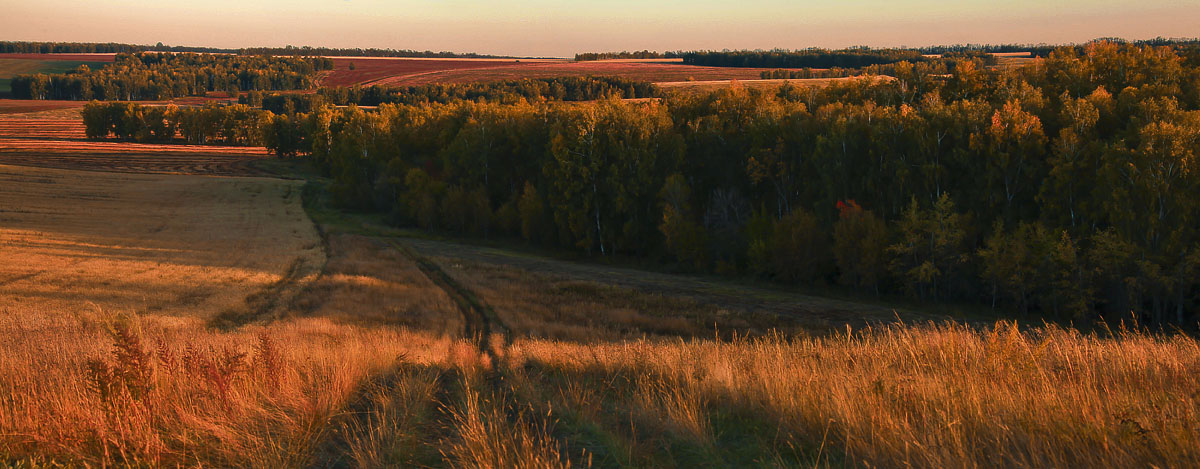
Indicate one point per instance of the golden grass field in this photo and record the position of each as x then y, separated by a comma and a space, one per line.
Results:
180, 320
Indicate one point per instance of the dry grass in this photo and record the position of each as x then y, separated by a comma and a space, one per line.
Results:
925, 396
111, 285
581, 301
192, 395
548, 306
76, 242
368, 281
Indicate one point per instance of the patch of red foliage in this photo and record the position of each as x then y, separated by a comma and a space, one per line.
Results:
81, 57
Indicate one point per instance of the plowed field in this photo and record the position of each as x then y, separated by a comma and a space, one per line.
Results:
55, 139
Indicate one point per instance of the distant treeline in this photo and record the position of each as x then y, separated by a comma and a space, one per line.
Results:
645, 54
30, 47
1042, 50
508, 92
228, 125
810, 58
328, 51
859, 57
27, 47
936, 67
899, 68
155, 76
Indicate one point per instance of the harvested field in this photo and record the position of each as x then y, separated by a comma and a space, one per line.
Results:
379, 70
655, 71
55, 139
1013, 59
22, 106
70, 244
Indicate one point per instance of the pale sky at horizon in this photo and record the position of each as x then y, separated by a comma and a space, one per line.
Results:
562, 28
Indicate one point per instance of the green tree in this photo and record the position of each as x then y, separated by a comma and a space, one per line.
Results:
534, 223
932, 247
685, 239
860, 246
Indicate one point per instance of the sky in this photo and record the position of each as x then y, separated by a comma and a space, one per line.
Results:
546, 28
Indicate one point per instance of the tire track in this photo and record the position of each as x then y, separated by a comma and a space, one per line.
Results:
480, 321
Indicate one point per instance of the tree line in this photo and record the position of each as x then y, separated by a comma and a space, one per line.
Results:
212, 124
806, 58
1042, 50
509, 91
31, 47
156, 76
925, 70
643, 54
309, 51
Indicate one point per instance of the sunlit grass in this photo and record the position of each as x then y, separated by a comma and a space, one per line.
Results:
366, 364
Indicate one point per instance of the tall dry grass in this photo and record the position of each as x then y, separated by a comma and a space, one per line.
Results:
926, 396
167, 391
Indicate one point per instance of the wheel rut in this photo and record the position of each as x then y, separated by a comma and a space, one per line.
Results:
481, 324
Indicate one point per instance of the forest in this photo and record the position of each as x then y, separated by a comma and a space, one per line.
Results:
1066, 187
157, 76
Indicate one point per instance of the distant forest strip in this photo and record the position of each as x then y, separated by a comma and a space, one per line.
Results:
924, 68
248, 122
644, 54
1069, 188
812, 58
356, 52
28, 47
508, 92
859, 57
1042, 50
156, 76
